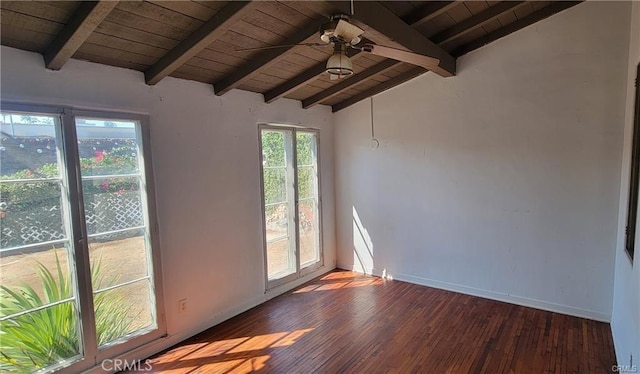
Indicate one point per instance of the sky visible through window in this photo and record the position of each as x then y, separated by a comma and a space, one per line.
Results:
10, 118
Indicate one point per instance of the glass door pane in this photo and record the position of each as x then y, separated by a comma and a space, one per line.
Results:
115, 209
39, 313
308, 202
277, 180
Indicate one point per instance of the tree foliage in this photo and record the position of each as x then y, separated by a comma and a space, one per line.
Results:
275, 161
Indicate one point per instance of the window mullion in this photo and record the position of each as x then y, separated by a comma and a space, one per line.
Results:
296, 215
79, 238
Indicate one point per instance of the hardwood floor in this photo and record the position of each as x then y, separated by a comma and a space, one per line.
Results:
350, 323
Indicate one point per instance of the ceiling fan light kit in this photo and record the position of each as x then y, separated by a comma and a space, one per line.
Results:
339, 64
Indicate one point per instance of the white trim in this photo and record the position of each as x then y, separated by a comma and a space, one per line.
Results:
99, 177
33, 245
33, 180
492, 295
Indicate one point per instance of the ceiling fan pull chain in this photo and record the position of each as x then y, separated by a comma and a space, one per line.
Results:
372, 131
374, 142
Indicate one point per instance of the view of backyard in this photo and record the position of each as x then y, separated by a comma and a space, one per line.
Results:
119, 260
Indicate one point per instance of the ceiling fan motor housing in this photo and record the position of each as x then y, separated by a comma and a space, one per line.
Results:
327, 31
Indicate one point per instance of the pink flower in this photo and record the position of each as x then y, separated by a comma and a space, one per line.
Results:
120, 192
99, 156
104, 186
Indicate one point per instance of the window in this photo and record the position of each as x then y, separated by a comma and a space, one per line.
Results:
80, 268
632, 209
291, 202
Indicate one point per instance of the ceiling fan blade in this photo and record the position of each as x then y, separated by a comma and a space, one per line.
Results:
347, 31
280, 46
426, 62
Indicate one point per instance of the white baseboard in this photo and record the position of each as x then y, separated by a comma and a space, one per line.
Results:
168, 341
492, 295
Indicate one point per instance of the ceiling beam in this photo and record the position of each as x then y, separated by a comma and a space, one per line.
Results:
266, 59
80, 26
346, 83
211, 30
475, 21
379, 88
532, 18
301, 79
429, 12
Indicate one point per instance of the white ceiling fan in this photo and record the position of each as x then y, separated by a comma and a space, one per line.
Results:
341, 34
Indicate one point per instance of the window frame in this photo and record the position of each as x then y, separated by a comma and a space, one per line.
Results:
299, 271
634, 176
91, 354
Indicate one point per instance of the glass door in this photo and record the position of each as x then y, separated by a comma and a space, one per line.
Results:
39, 307
77, 253
118, 236
279, 210
291, 202
308, 198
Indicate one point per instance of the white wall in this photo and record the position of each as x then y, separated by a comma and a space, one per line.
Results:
205, 154
625, 321
501, 182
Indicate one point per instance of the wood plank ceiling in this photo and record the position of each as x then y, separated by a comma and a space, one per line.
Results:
199, 40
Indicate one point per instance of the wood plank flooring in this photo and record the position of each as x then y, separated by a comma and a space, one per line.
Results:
345, 322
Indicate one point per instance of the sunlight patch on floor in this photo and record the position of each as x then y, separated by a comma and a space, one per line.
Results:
291, 338
236, 355
215, 348
249, 365
259, 342
338, 285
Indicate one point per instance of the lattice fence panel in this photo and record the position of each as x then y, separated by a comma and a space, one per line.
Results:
104, 212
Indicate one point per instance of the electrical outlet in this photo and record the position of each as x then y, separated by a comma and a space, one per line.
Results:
182, 305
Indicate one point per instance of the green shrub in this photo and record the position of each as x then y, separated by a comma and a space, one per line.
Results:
29, 205
39, 339
112, 163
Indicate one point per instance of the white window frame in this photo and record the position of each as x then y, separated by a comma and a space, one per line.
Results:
91, 355
299, 272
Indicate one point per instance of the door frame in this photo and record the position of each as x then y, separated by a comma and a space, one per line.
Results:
300, 272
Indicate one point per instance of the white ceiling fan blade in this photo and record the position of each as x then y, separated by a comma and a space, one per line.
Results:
426, 62
347, 31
